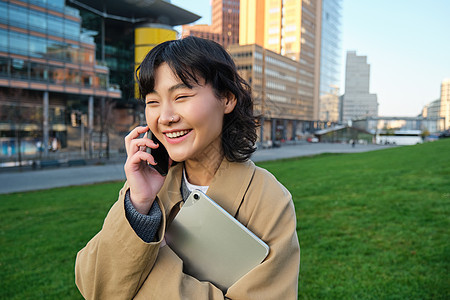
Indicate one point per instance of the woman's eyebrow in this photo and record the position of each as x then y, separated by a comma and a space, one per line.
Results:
173, 88
178, 86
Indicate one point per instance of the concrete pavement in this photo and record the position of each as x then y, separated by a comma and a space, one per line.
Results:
44, 179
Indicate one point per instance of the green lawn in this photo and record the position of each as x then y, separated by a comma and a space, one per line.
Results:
371, 226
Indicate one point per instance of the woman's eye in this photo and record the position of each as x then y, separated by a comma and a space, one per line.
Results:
182, 97
151, 102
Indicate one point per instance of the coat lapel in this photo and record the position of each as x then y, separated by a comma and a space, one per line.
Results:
170, 193
230, 184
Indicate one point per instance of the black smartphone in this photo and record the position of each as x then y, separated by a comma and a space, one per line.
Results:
159, 154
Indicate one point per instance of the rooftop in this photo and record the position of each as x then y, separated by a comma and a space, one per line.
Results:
137, 11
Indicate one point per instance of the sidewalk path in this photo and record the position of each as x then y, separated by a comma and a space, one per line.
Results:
45, 179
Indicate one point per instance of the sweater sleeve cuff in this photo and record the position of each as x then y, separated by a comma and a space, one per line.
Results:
145, 226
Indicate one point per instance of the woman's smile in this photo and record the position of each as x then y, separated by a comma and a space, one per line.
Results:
176, 136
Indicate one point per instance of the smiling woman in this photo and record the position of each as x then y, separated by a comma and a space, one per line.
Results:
201, 111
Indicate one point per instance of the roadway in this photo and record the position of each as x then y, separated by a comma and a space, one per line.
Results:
31, 180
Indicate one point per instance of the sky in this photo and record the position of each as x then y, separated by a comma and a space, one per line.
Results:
407, 44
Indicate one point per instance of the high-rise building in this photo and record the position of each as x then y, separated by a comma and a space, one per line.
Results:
358, 102
288, 27
445, 102
224, 28
330, 58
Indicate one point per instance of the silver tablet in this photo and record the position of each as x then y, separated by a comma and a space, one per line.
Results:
213, 245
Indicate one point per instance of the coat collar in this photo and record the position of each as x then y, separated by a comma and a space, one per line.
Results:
228, 187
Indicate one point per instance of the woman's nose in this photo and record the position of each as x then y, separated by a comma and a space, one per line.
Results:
167, 115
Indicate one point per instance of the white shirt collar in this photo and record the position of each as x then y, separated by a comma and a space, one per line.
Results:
192, 187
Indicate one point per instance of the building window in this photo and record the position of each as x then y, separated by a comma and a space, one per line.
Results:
38, 72
18, 43
37, 21
18, 16
55, 25
4, 66
19, 69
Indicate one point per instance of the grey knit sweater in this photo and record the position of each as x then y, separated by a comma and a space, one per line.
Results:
146, 226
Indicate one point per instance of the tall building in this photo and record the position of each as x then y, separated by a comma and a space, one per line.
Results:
280, 95
224, 28
288, 27
358, 102
330, 58
66, 67
445, 102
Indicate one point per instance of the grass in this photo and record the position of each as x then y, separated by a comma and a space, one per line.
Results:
40, 234
371, 226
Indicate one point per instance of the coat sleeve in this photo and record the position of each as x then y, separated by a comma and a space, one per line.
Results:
115, 263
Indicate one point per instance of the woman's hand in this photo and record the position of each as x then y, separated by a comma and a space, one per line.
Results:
144, 181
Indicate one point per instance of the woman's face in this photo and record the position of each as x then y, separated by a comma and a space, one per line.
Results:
188, 121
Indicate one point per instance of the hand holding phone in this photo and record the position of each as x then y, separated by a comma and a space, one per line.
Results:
159, 154
144, 182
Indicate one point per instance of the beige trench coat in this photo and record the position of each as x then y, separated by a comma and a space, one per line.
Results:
117, 264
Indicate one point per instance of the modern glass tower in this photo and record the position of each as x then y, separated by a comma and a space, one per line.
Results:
330, 57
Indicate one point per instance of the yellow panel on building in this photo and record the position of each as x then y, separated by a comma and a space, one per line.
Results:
146, 38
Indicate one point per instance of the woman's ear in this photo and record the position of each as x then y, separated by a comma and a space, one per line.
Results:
230, 103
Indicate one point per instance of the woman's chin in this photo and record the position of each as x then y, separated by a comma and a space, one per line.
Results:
178, 157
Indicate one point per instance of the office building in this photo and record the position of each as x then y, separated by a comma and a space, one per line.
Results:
224, 28
445, 102
66, 67
47, 68
330, 57
432, 111
358, 102
291, 28
329, 107
282, 97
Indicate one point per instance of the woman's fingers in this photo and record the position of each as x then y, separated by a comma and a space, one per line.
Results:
134, 134
141, 156
134, 143
141, 145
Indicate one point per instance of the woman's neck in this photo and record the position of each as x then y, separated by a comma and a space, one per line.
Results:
201, 171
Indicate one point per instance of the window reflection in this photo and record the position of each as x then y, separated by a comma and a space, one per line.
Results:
4, 66
19, 69
55, 25
23, 69
38, 72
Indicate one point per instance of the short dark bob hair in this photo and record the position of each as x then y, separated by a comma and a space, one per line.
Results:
192, 59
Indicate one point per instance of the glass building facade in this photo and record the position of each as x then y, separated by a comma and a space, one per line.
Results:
48, 71
330, 54
330, 57
40, 30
